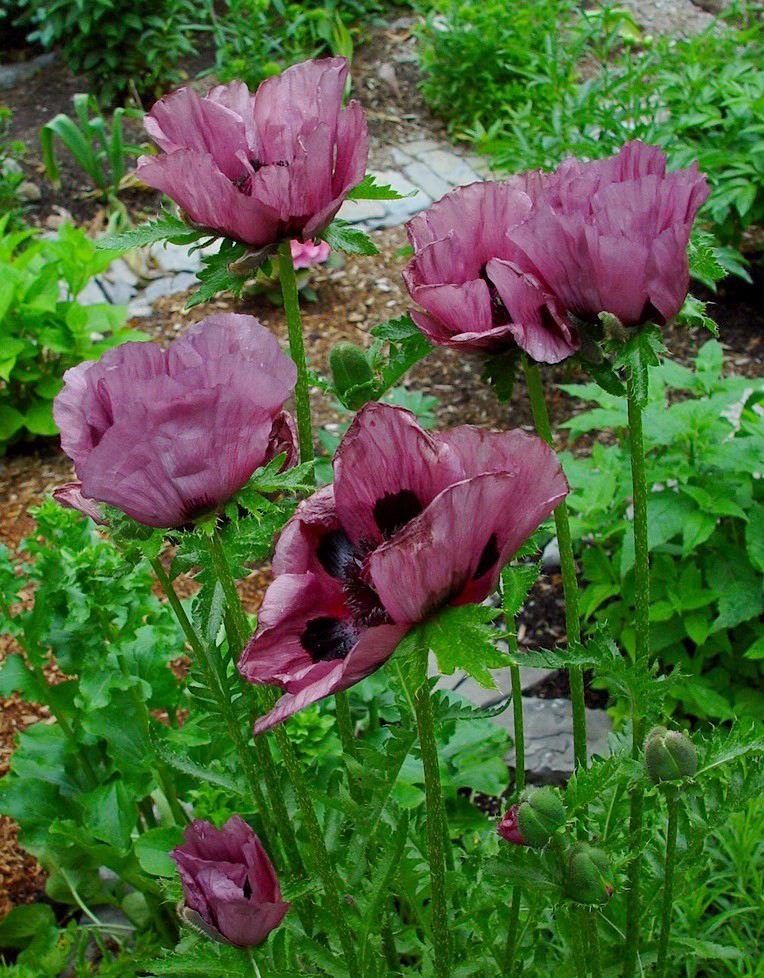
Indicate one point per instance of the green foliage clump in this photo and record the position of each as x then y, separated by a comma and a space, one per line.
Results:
704, 438
11, 174
43, 328
119, 45
258, 38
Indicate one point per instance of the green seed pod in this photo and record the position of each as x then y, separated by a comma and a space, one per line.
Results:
670, 755
351, 373
588, 878
540, 815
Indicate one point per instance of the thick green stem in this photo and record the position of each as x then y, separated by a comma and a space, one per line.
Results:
345, 722
511, 944
567, 565
237, 628
203, 660
642, 656
595, 958
672, 802
319, 852
519, 732
577, 942
436, 829
297, 350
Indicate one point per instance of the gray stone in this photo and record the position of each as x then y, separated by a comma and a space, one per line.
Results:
423, 177
28, 192
361, 211
175, 258
117, 293
93, 293
418, 146
139, 308
168, 286
478, 695
120, 271
13, 74
449, 167
548, 728
550, 558
400, 156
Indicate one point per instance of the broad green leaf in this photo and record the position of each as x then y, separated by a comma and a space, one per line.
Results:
110, 814
11, 421
153, 848
24, 923
38, 418
754, 537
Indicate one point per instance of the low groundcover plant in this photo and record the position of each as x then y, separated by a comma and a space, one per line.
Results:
186, 458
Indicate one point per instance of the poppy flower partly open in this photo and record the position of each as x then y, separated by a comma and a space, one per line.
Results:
413, 522
169, 435
260, 167
473, 298
611, 236
229, 884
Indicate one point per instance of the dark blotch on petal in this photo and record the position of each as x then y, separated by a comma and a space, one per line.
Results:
394, 510
335, 553
488, 557
326, 639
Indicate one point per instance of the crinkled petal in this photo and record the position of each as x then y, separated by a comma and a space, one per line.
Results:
386, 469
455, 550
295, 551
183, 120
209, 198
490, 341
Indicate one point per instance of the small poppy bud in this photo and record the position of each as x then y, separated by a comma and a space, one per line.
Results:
540, 815
670, 755
588, 878
508, 828
351, 373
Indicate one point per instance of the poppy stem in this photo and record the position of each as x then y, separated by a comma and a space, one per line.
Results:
291, 298
567, 564
208, 668
436, 828
672, 804
641, 656
519, 732
320, 855
577, 942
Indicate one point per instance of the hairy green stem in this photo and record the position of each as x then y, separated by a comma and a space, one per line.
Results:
567, 564
672, 803
519, 732
345, 722
511, 943
237, 629
595, 959
577, 942
205, 663
642, 656
297, 350
436, 829
319, 852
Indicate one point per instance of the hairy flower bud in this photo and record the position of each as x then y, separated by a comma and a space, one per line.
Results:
351, 372
588, 877
670, 755
508, 828
540, 815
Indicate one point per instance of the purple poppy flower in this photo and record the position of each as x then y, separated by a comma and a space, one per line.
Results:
228, 880
414, 521
168, 435
610, 236
264, 167
469, 301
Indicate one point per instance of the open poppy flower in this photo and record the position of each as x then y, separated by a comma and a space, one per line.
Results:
413, 522
260, 167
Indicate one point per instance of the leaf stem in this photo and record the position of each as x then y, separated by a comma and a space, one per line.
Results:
672, 804
291, 298
567, 564
642, 656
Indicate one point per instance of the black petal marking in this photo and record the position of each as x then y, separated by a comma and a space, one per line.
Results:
488, 558
394, 510
327, 639
335, 553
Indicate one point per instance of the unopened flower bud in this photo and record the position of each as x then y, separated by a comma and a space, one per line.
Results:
540, 815
670, 755
588, 878
351, 373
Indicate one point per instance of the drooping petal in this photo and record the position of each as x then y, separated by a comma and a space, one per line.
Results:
70, 497
277, 654
490, 341
284, 440
537, 323
373, 649
387, 469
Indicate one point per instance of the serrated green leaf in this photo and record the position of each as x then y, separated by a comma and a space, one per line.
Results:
353, 241
464, 638
216, 274
369, 189
166, 227
516, 583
